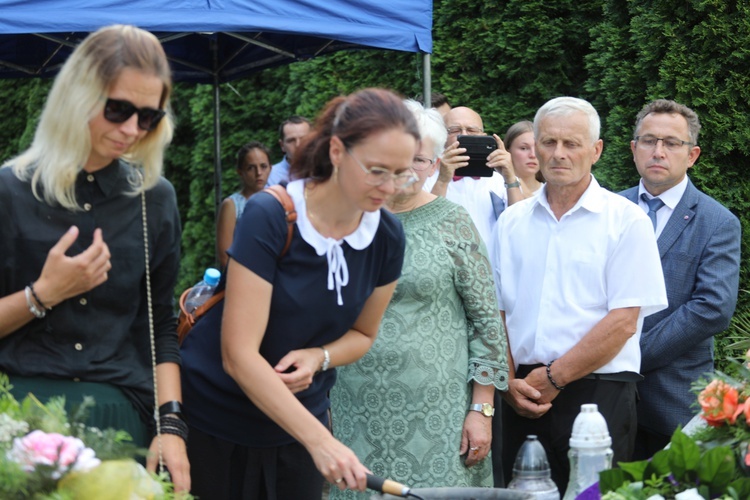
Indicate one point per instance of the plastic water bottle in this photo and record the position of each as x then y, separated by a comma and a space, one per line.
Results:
531, 472
204, 289
590, 450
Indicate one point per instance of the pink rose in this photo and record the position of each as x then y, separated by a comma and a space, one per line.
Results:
719, 402
54, 450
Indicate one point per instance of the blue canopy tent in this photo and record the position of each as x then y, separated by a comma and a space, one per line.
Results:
214, 41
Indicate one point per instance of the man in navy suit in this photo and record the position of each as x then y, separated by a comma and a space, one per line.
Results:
699, 244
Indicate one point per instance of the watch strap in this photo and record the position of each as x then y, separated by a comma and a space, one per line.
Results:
514, 184
483, 408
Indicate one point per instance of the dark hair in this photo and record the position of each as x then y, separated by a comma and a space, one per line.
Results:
292, 119
515, 130
672, 108
436, 99
352, 119
246, 148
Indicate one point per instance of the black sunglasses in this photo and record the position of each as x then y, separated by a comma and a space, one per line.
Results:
119, 111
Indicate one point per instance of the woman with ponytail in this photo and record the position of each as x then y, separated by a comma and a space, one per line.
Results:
258, 367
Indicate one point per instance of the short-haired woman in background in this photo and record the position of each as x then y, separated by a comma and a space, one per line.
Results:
417, 407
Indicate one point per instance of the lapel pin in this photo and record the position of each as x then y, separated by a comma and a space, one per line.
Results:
687, 217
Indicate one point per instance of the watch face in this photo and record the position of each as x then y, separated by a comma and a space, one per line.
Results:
487, 410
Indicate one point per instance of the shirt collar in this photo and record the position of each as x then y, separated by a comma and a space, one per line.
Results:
108, 178
338, 272
592, 199
671, 197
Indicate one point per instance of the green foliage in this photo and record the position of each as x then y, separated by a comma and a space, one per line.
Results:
22, 102
43, 482
504, 58
685, 464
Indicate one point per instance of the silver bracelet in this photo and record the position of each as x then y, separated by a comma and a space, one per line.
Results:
39, 313
326, 359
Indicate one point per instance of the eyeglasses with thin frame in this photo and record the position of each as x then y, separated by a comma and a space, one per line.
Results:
422, 163
377, 176
649, 142
460, 129
120, 111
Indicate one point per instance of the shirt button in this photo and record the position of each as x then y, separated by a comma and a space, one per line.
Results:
90, 178
83, 302
78, 346
87, 206
76, 379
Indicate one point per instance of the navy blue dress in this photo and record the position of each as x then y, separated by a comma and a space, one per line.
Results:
304, 313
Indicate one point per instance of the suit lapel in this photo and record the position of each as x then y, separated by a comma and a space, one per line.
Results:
682, 215
631, 194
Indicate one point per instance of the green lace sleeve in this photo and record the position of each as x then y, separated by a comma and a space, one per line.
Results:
488, 348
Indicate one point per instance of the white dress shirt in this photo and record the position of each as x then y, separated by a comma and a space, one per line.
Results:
474, 195
671, 197
557, 279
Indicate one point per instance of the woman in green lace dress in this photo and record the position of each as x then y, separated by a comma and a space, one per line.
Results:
404, 408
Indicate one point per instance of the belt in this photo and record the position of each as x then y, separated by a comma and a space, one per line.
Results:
609, 377
616, 377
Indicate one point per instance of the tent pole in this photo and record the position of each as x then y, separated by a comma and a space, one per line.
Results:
427, 71
217, 134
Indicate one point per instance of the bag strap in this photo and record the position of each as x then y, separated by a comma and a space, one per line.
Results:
279, 192
152, 336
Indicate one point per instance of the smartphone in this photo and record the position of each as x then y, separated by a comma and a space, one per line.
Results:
478, 147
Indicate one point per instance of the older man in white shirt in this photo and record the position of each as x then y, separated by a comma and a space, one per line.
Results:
576, 271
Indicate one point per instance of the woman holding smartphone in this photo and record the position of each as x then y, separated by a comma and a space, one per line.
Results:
256, 379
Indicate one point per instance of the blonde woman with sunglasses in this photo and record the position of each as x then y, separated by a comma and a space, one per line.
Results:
74, 314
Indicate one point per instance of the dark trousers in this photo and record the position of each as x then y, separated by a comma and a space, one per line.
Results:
497, 444
616, 402
648, 442
220, 470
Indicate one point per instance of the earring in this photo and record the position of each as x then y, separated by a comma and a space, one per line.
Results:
335, 174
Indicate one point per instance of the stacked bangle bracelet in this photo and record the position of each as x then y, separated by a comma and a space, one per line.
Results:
36, 297
38, 313
173, 425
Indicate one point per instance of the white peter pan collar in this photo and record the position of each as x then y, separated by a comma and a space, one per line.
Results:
338, 272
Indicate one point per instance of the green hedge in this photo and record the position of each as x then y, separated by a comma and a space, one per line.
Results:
504, 58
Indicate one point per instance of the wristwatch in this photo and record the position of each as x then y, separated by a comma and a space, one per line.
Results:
485, 409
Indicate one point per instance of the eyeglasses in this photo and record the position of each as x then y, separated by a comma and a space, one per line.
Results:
377, 176
465, 130
119, 111
422, 163
649, 142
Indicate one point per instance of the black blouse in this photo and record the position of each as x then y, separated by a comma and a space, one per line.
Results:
101, 335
